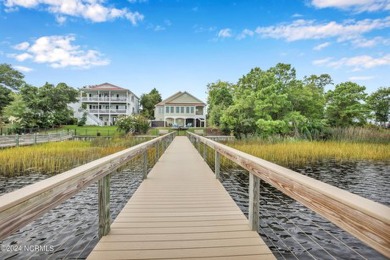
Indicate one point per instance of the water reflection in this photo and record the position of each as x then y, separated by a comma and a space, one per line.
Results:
293, 231
71, 228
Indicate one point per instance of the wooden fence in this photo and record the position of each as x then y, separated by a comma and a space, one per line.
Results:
31, 139
367, 220
20, 207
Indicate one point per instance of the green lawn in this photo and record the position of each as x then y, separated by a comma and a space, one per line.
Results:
112, 130
93, 130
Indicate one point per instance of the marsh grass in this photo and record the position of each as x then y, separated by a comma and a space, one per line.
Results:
289, 153
361, 134
57, 157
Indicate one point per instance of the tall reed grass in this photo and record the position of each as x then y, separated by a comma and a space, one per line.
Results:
361, 134
288, 153
53, 158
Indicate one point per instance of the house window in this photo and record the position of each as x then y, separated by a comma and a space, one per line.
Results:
172, 111
177, 110
192, 110
132, 98
160, 110
182, 110
187, 110
167, 110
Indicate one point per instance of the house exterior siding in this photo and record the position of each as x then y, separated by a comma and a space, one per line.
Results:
181, 109
104, 103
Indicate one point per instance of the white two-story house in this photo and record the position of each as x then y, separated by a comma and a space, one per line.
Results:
104, 103
181, 109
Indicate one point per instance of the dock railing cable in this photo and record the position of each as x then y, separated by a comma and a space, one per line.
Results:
20, 207
367, 220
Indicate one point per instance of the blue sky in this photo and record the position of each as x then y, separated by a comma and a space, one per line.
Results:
182, 45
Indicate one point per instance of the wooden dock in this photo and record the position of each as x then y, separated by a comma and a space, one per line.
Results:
181, 211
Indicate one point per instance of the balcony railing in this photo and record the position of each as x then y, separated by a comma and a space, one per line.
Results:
107, 111
105, 99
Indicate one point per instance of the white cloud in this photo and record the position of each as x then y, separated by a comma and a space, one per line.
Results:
201, 29
310, 29
356, 63
93, 10
23, 56
158, 28
245, 33
60, 19
368, 43
23, 68
225, 33
323, 61
296, 15
354, 5
360, 78
21, 46
58, 52
321, 46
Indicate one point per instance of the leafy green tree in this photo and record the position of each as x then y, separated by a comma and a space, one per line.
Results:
219, 99
148, 102
240, 119
345, 105
16, 109
10, 78
134, 124
5, 98
379, 103
47, 106
318, 81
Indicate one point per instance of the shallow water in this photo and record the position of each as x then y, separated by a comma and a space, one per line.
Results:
69, 231
292, 231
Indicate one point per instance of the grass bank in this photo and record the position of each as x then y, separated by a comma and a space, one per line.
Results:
53, 158
289, 153
93, 130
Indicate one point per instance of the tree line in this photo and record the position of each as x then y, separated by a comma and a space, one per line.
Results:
275, 102
262, 102
25, 106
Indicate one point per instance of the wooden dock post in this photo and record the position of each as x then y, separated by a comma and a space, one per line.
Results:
104, 205
254, 202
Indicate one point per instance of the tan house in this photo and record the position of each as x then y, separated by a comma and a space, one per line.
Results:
180, 110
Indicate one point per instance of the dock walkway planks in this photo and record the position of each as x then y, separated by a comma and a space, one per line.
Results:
181, 211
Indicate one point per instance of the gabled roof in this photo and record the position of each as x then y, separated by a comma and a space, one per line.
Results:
179, 98
106, 86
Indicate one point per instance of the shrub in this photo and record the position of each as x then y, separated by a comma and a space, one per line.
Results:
134, 124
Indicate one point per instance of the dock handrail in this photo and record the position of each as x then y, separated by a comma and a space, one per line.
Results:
367, 220
22, 206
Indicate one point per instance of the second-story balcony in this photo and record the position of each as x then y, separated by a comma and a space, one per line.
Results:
107, 111
105, 99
